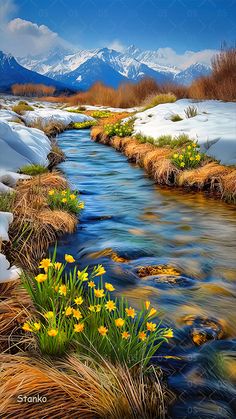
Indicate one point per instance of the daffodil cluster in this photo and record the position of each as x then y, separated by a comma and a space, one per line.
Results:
189, 157
85, 124
78, 308
65, 200
120, 129
101, 114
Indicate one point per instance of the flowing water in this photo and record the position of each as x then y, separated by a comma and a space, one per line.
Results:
129, 222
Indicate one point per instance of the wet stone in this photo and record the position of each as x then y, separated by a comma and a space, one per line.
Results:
157, 270
204, 329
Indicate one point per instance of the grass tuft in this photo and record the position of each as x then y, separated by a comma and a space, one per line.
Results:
191, 111
22, 107
33, 169
176, 118
159, 99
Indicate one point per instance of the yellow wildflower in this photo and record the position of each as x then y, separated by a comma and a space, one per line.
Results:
169, 334
69, 258
175, 155
102, 330
44, 264
63, 193
130, 312
92, 308
109, 287
91, 284
125, 335
181, 156
52, 332
119, 322
49, 315
100, 271
26, 327
51, 192
56, 288
98, 308
68, 311
79, 327
80, 205
191, 159
189, 147
147, 304
110, 305
142, 336
77, 314
62, 290
37, 326
194, 144
198, 157
78, 301
99, 293
41, 277
72, 197
182, 164
64, 200
57, 265
151, 326
82, 276
152, 312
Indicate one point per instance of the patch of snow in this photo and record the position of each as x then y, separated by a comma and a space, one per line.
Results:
214, 127
6, 219
54, 115
8, 115
6, 273
11, 178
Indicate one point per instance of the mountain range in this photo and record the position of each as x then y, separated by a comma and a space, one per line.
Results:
78, 70
82, 68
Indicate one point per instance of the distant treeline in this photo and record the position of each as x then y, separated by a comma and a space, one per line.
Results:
30, 89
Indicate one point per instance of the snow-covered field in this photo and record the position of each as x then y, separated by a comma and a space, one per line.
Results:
21, 145
214, 127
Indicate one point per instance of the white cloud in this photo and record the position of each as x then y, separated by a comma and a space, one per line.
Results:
167, 56
116, 45
21, 37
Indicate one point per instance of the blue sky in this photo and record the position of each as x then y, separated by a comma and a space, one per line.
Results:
149, 24
36, 26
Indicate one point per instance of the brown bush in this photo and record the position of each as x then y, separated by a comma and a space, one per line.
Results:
31, 89
221, 84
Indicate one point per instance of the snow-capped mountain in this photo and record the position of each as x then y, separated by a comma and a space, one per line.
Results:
12, 72
82, 68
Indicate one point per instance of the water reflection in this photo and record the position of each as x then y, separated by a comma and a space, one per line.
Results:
126, 214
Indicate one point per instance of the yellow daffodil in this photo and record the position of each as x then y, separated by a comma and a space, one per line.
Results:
72, 197
119, 322
99, 293
52, 332
37, 326
68, 311
64, 200
194, 144
169, 334
191, 159
142, 336
182, 164
77, 314
57, 265
69, 258
147, 304
26, 327
92, 308
45, 263
78, 300
130, 312
80, 205
198, 157
51, 192
175, 155
82, 276
79, 327
189, 147
49, 315
109, 287
152, 312
63, 193
151, 326
181, 156
100, 271
41, 278
110, 305
125, 335
56, 288
91, 284
98, 308
62, 290
102, 330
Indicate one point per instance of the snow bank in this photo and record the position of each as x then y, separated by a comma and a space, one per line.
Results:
8, 116
214, 127
53, 115
6, 273
107, 108
21, 145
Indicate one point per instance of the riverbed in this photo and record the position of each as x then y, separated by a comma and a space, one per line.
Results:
129, 222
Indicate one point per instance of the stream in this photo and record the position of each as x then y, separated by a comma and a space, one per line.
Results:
129, 222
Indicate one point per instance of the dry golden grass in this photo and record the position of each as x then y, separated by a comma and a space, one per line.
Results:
51, 128
165, 172
153, 156
81, 389
228, 186
45, 182
55, 156
205, 177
